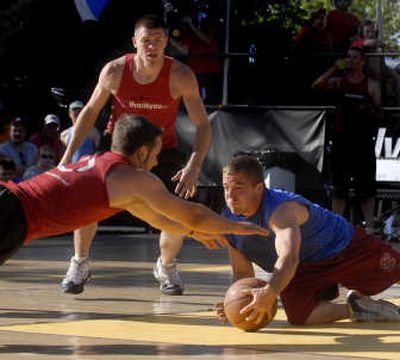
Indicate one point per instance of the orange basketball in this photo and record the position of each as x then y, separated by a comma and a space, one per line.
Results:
235, 300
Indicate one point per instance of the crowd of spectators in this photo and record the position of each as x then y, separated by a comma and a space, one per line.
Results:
22, 157
322, 40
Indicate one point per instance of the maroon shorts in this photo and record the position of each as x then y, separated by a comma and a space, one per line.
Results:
368, 265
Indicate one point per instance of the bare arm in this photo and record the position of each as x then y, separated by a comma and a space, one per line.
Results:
285, 222
126, 185
161, 222
327, 81
186, 85
108, 80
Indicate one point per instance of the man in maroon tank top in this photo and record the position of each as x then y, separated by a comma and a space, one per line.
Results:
149, 84
357, 113
103, 185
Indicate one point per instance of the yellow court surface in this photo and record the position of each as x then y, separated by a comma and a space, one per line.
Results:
122, 314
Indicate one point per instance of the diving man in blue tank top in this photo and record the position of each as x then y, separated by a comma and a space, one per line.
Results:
310, 252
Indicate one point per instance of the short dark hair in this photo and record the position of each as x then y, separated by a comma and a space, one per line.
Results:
248, 165
151, 22
133, 131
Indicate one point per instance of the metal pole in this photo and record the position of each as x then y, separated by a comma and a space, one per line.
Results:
226, 51
379, 19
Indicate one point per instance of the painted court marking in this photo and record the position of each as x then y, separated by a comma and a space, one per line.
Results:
373, 340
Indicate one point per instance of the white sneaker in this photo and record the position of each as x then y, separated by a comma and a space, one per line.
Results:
168, 277
363, 308
77, 276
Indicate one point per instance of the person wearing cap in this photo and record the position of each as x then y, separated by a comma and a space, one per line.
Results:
90, 142
74, 109
22, 153
50, 135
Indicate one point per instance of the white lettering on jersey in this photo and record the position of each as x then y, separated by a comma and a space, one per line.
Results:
58, 177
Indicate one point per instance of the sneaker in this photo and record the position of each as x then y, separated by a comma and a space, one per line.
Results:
363, 308
77, 275
168, 277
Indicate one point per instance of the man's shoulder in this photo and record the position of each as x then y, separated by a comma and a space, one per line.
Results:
179, 69
115, 66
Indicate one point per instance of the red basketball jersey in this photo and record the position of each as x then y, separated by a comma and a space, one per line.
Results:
67, 198
152, 100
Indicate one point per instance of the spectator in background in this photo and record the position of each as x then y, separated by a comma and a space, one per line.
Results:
90, 143
358, 109
368, 41
375, 66
7, 169
198, 45
22, 153
46, 161
342, 25
311, 42
50, 135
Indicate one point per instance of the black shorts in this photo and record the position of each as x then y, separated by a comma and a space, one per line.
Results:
12, 224
170, 161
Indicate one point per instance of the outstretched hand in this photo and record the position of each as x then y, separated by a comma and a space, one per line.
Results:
187, 182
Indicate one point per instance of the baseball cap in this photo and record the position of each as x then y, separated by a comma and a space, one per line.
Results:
52, 119
76, 105
18, 121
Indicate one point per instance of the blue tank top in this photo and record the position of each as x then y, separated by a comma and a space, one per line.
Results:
323, 236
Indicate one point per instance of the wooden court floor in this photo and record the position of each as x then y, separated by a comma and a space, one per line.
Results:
121, 314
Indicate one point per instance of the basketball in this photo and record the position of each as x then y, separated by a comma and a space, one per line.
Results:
235, 300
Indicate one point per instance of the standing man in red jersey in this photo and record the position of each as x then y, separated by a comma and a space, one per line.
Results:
150, 84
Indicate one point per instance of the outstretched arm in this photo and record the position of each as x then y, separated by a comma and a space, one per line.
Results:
127, 185
161, 222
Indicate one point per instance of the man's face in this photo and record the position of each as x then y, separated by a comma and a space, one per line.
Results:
152, 155
150, 44
51, 130
47, 158
74, 113
355, 59
241, 196
17, 133
369, 32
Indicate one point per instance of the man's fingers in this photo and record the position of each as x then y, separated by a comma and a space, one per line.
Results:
253, 316
223, 242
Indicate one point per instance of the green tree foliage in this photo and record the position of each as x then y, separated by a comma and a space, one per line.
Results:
289, 15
